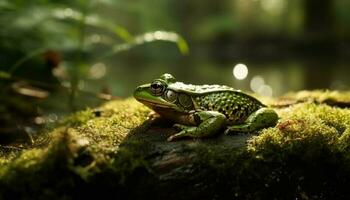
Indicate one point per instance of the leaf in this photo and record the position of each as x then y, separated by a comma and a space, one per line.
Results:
93, 20
4, 75
182, 45
26, 58
151, 37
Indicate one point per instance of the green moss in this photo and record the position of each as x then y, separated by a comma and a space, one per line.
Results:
114, 149
80, 147
306, 123
77, 118
320, 95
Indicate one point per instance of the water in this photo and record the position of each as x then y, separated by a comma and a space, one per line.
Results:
275, 78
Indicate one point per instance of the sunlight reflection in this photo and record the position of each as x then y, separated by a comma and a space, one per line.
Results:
273, 6
158, 35
154, 36
98, 71
28, 90
256, 83
240, 71
52, 118
81, 85
95, 38
265, 90
66, 13
39, 120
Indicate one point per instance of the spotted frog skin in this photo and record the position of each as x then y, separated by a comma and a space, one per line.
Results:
203, 110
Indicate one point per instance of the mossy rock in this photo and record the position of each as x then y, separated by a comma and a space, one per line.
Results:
116, 150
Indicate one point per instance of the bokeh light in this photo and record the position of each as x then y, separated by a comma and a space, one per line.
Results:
256, 83
265, 90
98, 71
274, 7
240, 71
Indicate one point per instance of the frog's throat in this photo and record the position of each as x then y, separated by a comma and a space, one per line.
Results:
153, 105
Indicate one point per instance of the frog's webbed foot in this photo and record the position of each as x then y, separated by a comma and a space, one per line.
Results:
180, 127
185, 132
239, 128
262, 118
210, 122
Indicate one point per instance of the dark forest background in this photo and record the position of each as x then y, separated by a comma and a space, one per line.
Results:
60, 56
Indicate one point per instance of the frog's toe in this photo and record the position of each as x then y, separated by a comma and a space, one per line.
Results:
179, 127
240, 128
173, 137
230, 131
187, 132
170, 139
227, 131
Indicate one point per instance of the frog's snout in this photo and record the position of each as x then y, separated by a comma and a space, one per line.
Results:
141, 91
137, 91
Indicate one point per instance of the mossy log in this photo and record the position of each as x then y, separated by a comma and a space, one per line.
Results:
117, 150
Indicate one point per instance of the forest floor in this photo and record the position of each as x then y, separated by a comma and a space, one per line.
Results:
117, 150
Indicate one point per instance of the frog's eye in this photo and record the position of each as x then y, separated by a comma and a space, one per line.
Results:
170, 96
157, 88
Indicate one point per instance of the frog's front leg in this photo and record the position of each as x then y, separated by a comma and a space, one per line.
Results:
209, 123
262, 118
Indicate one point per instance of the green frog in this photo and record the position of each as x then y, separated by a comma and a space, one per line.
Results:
203, 110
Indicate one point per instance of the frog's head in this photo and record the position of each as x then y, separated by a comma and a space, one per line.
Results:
158, 96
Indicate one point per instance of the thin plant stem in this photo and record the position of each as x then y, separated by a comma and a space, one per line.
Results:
20, 62
75, 71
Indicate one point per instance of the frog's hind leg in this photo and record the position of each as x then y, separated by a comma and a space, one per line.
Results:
262, 118
210, 122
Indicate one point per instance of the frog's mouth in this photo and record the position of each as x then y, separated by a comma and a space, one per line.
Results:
155, 104
142, 95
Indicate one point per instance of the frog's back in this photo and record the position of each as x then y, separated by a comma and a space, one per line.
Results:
235, 105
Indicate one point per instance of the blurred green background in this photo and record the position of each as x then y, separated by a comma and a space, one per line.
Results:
60, 56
